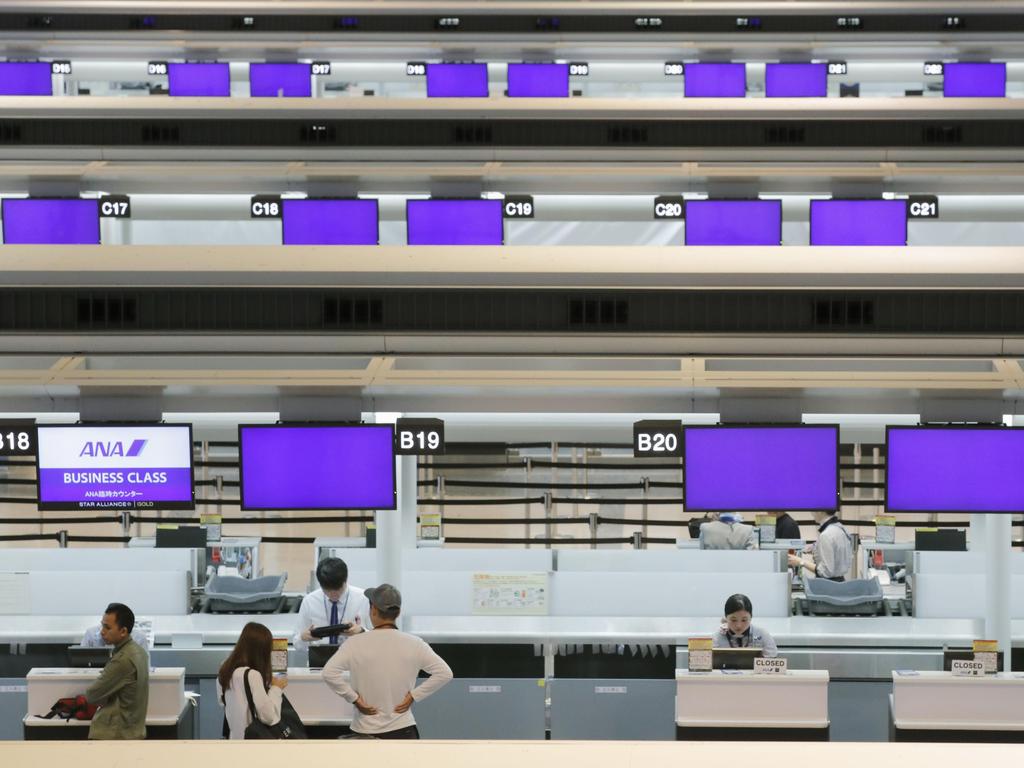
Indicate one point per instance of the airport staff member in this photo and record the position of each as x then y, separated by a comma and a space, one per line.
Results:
383, 666
833, 552
727, 531
335, 602
122, 690
785, 526
737, 631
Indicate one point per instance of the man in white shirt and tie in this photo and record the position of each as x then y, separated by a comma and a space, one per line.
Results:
335, 602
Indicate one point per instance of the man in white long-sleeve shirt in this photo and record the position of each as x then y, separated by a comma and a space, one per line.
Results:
383, 666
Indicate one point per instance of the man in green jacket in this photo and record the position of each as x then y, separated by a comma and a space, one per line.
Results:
122, 690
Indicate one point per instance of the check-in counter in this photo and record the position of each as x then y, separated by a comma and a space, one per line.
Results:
498, 693
613, 691
324, 713
938, 706
743, 705
169, 715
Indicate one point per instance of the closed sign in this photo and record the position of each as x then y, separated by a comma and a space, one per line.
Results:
775, 666
967, 668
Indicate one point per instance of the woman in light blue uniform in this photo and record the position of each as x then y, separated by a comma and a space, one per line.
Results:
737, 631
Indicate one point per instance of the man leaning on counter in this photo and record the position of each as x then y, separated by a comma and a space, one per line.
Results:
122, 689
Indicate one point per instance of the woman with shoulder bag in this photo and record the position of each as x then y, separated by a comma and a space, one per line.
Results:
244, 677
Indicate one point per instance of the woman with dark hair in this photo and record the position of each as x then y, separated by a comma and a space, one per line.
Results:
737, 631
250, 657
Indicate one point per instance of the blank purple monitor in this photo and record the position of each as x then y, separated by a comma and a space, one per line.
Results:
538, 80
707, 80
858, 222
317, 466
954, 469
803, 80
454, 222
457, 80
733, 222
50, 221
313, 221
761, 468
25, 78
204, 78
280, 79
974, 78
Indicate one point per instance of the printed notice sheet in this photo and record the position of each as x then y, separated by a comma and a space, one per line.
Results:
510, 594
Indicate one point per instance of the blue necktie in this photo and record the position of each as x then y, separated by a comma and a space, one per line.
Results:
334, 620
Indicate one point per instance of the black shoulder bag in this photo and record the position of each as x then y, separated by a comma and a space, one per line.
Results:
288, 727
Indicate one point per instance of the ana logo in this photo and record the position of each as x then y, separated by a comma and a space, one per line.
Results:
113, 448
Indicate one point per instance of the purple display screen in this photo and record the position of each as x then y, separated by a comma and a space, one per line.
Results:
25, 78
136, 466
456, 80
795, 80
454, 222
329, 222
538, 80
974, 78
271, 79
317, 466
733, 222
858, 222
199, 79
705, 80
935, 469
50, 221
761, 468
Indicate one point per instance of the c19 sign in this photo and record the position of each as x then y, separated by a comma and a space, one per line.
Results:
419, 437
657, 438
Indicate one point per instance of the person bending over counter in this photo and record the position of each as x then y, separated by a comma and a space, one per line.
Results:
250, 658
382, 667
122, 689
832, 552
737, 631
785, 526
335, 602
727, 531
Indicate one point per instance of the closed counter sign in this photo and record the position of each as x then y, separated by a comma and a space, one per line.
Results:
115, 467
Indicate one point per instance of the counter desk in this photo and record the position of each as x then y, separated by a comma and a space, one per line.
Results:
169, 715
724, 705
324, 713
937, 706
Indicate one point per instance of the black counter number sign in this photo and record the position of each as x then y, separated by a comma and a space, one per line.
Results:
17, 438
265, 207
419, 437
115, 207
652, 438
923, 207
518, 207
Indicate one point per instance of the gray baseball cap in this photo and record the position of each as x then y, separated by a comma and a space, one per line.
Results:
384, 598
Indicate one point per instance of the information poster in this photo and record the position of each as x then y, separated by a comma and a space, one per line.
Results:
765, 528
987, 652
510, 594
279, 655
885, 529
698, 654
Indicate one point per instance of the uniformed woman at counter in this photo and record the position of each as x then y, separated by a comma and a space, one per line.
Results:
737, 631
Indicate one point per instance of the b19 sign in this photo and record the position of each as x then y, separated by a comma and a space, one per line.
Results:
419, 437
657, 438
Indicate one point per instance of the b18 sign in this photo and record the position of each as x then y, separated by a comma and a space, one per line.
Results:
652, 438
419, 437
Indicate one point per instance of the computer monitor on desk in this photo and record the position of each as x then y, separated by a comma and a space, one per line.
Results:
735, 658
319, 655
88, 656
